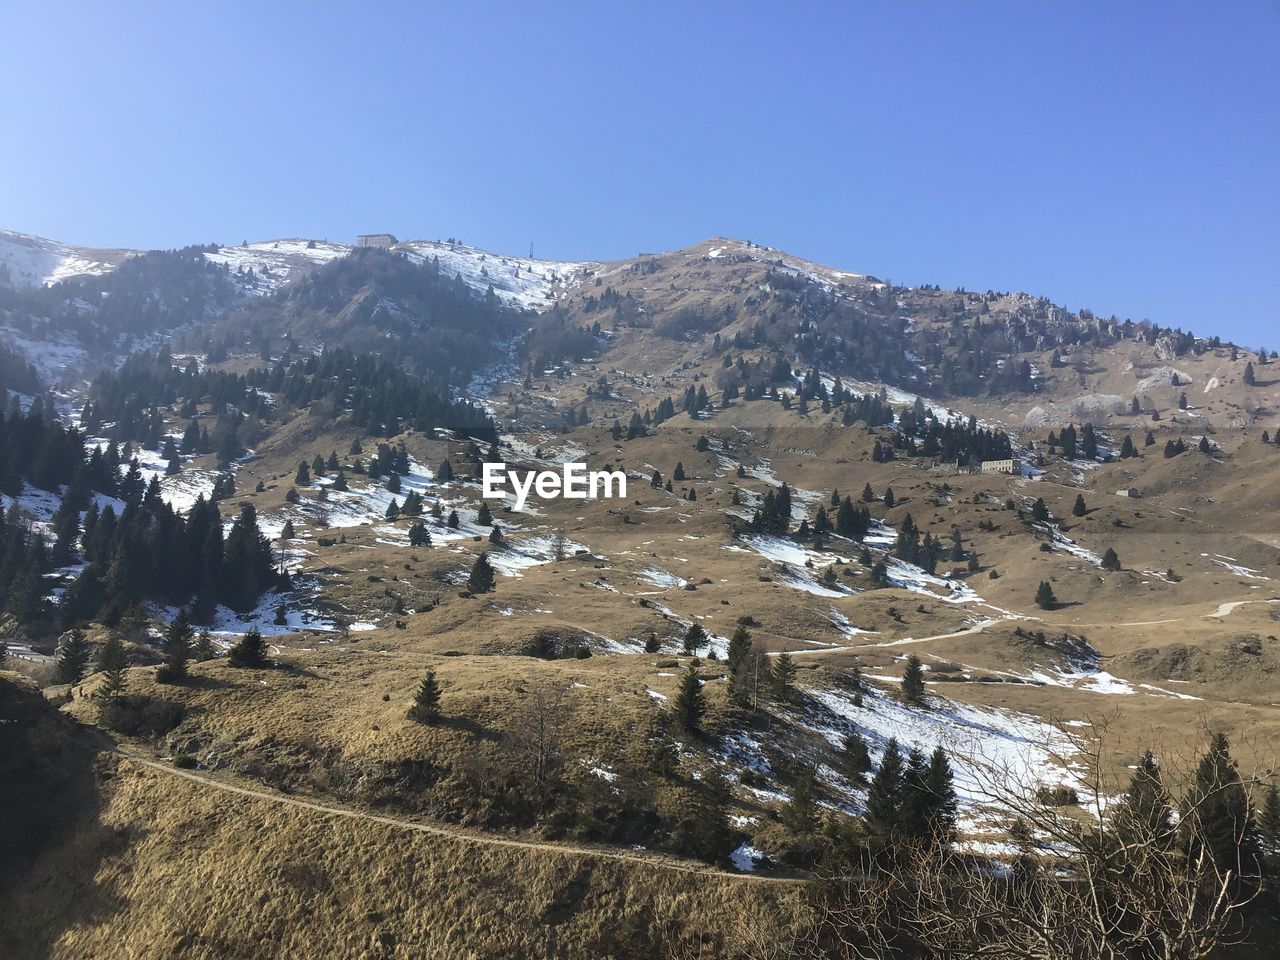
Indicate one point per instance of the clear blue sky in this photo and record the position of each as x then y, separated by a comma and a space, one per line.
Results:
1121, 156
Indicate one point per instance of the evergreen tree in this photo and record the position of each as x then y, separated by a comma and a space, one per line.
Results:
1249, 378
1045, 598
419, 535
173, 462
913, 681
914, 806
1216, 814
250, 651
884, 796
690, 704
482, 576
800, 816
1269, 828
426, 702
176, 650
1039, 512
1143, 814
204, 649
1127, 449
1110, 560
694, 638
939, 786
73, 656
1079, 509
782, 677
703, 827
483, 517
110, 664
854, 759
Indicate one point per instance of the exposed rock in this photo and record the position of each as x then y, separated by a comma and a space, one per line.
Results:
1091, 406
1164, 377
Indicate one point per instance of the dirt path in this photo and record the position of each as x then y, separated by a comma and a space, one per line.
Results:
449, 833
1224, 609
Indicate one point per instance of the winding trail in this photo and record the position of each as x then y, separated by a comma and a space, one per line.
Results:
1223, 610
448, 833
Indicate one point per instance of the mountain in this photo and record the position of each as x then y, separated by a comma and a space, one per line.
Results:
859, 517
32, 261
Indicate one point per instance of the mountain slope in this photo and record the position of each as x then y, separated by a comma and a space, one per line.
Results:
35, 261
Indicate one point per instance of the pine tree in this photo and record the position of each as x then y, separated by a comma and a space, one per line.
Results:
204, 649
782, 676
482, 577
694, 638
868, 495
419, 535
1039, 512
110, 665
1143, 814
483, 517
1249, 379
651, 643
884, 796
690, 703
800, 816
703, 828
250, 651
1216, 815
426, 703
913, 681
176, 650
939, 785
1127, 449
1079, 509
913, 810
854, 759
1045, 598
73, 656
1110, 560
1269, 827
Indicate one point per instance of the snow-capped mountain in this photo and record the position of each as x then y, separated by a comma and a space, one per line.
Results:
33, 261
264, 266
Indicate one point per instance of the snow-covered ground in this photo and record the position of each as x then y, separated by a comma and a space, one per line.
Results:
275, 262
523, 282
1239, 569
53, 357
990, 748
36, 261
